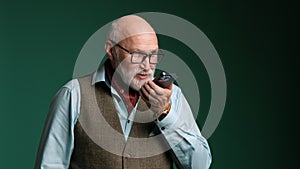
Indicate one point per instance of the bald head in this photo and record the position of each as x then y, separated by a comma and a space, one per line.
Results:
127, 35
128, 26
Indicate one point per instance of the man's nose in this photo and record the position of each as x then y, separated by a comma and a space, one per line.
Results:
146, 63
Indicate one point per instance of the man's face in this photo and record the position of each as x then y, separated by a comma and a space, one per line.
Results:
135, 75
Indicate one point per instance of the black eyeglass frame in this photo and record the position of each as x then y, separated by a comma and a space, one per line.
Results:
161, 54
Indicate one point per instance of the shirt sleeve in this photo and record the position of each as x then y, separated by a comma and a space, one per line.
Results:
183, 135
57, 140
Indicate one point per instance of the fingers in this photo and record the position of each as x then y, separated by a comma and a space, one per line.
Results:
158, 90
156, 87
152, 89
156, 96
149, 93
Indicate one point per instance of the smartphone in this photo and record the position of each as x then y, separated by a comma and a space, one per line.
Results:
164, 79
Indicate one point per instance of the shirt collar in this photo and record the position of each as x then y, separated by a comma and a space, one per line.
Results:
99, 76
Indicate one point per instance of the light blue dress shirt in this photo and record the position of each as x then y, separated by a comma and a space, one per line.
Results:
179, 128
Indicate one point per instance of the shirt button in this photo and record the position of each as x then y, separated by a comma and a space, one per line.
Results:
128, 121
127, 156
122, 91
163, 128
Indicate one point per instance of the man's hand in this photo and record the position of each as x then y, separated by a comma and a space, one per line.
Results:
157, 98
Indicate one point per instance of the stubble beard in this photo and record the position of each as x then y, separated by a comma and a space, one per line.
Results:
128, 76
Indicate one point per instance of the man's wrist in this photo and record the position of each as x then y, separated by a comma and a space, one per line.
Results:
162, 114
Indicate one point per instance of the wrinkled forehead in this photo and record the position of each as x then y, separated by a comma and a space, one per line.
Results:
142, 38
129, 26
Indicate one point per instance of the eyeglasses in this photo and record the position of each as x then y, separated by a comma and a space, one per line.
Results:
139, 57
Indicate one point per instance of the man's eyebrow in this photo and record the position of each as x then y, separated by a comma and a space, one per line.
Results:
143, 51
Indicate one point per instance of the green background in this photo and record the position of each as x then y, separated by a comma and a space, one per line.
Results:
40, 42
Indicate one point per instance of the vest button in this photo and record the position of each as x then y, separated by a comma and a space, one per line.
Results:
163, 128
127, 156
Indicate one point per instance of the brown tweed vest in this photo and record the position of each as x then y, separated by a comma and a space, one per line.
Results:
99, 140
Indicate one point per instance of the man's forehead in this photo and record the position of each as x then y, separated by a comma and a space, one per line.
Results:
146, 37
141, 42
132, 25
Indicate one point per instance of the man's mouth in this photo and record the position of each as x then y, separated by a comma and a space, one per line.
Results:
142, 75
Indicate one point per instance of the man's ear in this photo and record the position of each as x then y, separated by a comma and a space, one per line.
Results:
109, 50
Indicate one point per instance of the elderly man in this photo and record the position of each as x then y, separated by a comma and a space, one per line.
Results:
118, 117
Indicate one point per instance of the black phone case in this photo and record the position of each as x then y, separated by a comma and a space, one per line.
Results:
164, 79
